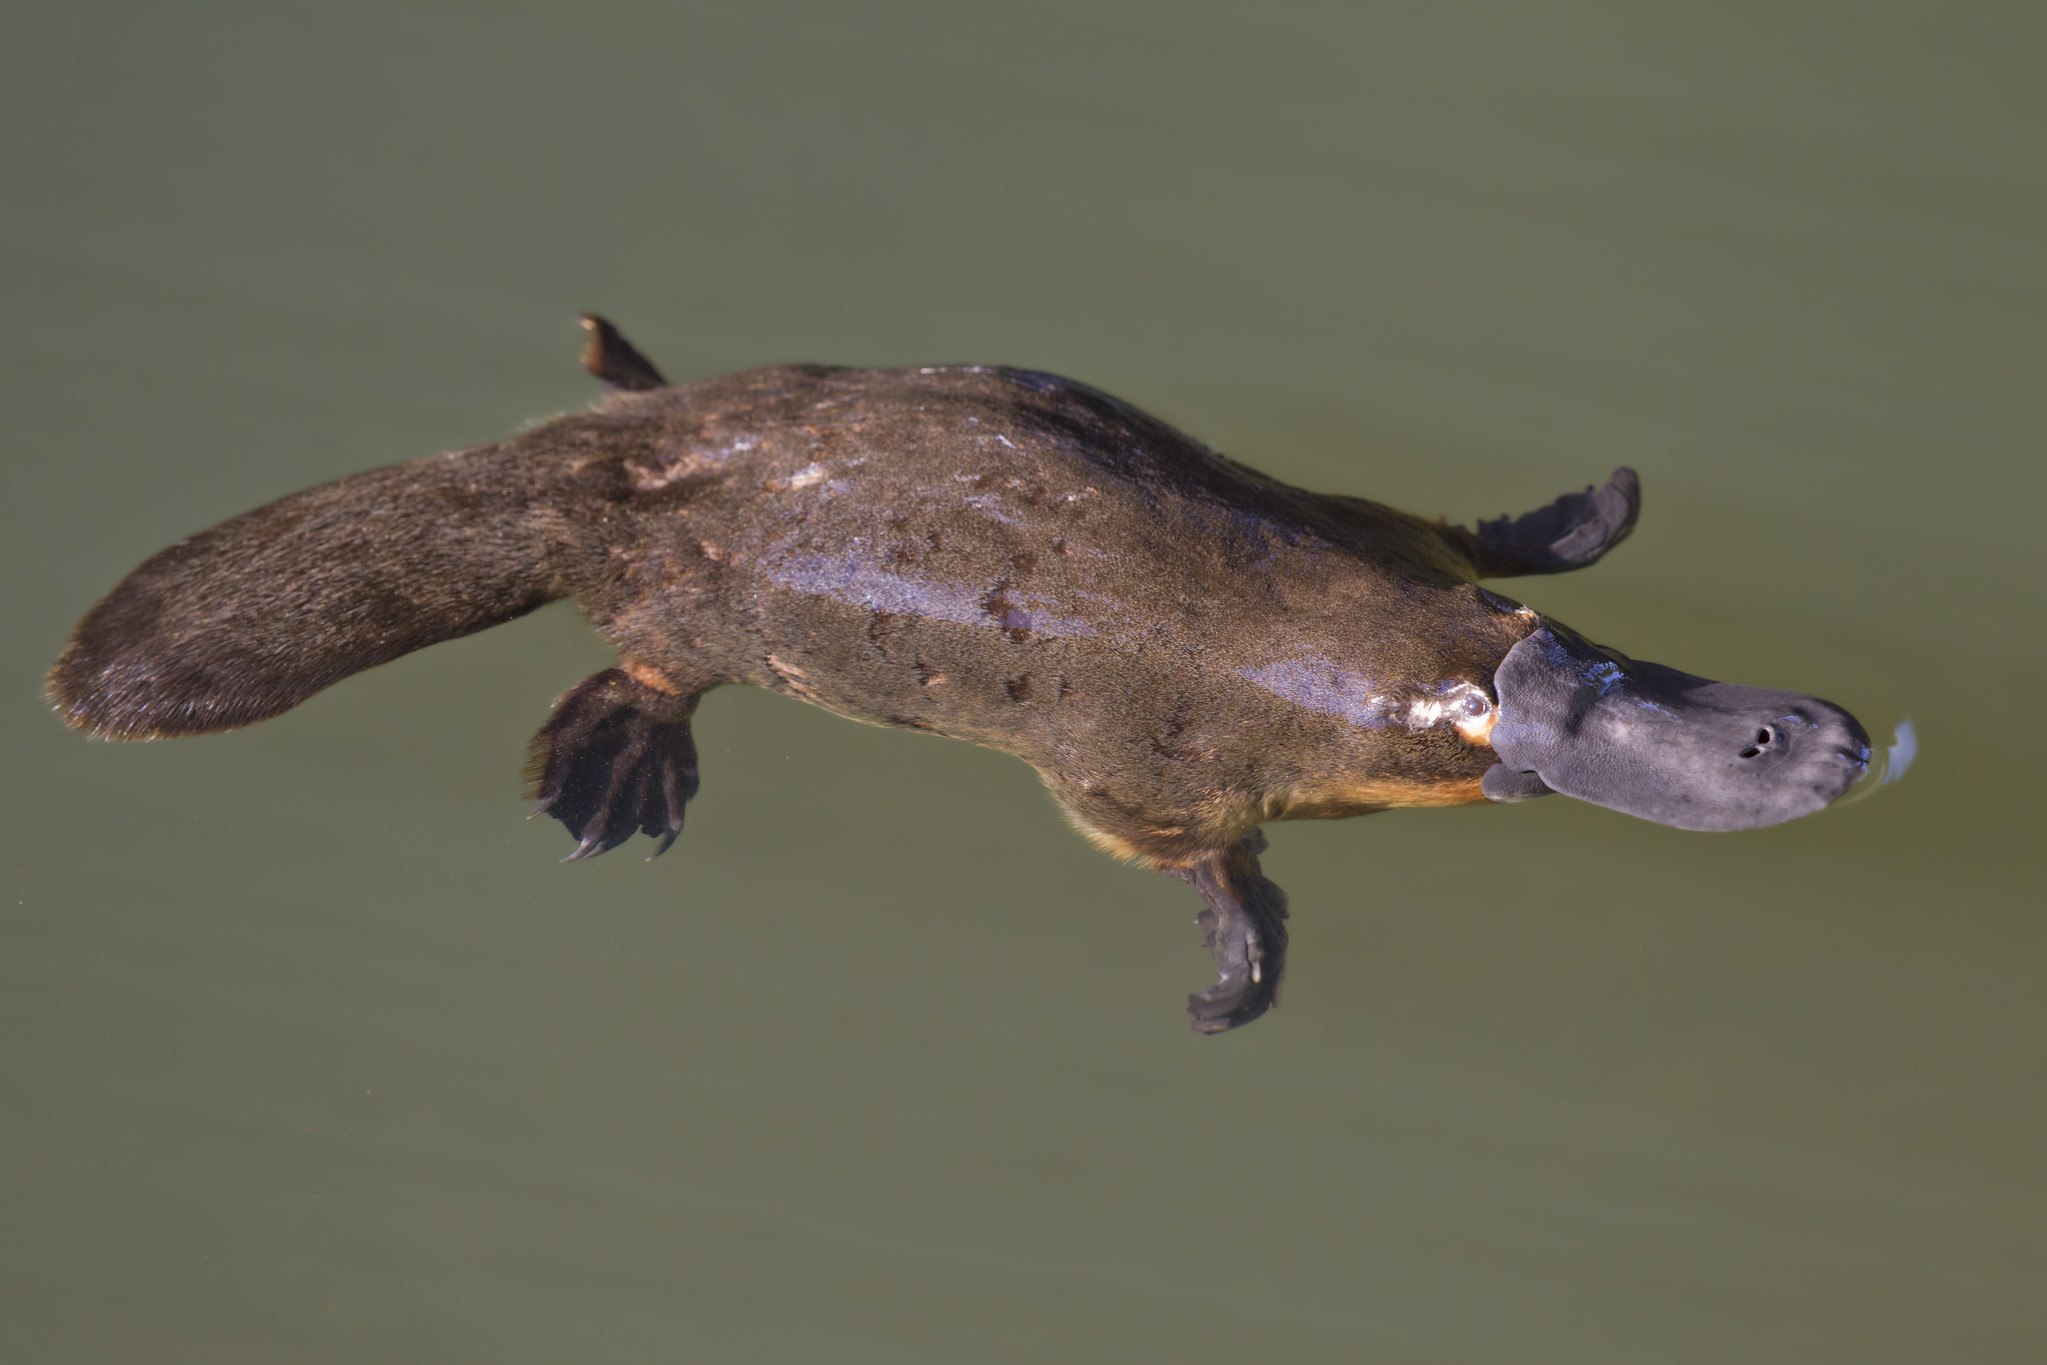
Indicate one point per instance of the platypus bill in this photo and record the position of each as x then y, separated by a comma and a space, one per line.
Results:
1183, 648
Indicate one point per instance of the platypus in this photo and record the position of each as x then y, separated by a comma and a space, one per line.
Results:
1183, 648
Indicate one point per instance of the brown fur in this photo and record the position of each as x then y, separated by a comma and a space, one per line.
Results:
1180, 646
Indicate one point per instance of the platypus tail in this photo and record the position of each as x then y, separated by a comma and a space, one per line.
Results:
250, 618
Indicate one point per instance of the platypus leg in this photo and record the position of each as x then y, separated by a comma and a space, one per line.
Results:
615, 757
1246, 924
616, 361
1570, 533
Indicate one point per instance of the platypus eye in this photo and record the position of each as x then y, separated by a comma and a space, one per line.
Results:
1465, 706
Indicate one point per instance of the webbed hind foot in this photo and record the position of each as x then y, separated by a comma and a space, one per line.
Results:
615, 757
1246, 923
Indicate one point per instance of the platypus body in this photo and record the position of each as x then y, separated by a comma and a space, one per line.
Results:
1183, 648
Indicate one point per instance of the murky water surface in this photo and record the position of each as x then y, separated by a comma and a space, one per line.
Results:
314, 1053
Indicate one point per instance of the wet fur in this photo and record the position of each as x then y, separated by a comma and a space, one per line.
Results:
1000, 556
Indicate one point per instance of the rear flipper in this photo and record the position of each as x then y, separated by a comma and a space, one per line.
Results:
615, 757
616, 361
1570, 533
1246, 924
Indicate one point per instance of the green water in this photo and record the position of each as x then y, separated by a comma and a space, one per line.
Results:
313, 1053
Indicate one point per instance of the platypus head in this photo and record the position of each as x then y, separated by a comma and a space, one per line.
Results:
1667, 746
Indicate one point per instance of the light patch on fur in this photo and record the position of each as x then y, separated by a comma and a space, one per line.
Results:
1112, 844
1317, 684
647, 676
1424, 712
793, 679
802, 478
1465, 706
647, 479
1343, 799
872, 587
686, 460
1478, 729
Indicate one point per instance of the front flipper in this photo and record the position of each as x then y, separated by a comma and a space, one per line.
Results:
1246, 924
1570, 533
615, 757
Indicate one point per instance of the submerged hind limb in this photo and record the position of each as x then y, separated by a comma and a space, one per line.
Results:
1245, 917
616, 758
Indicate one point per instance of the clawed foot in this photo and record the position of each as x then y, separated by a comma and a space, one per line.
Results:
615, 758
1245, 922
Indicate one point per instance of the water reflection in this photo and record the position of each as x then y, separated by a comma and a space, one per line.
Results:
1888, 765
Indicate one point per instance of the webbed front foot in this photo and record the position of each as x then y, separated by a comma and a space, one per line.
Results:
1245, 921
1569, 533
615, 758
